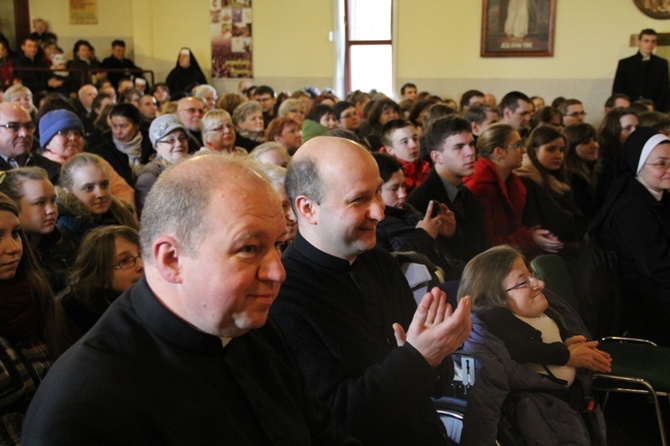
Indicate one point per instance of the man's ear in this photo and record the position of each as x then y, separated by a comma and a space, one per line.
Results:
166, 252
307, 209
474, 128
435, 155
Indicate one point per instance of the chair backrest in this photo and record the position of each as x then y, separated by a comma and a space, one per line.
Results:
597, 283
551, 269
421, 274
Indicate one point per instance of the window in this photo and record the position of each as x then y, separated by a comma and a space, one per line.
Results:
369, 45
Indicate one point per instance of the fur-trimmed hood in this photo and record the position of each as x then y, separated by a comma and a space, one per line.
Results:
528, 170
73, 215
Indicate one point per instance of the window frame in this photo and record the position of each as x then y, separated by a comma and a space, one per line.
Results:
349, 43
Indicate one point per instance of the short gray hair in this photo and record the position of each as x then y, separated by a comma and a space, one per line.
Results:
245, 109
16, 90
268, 146
178, 201
303, 178
276, 175
200, 90
212, 118
288, 106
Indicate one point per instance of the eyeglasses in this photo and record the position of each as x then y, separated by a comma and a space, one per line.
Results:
173, 141
229, 127
575, 114
127, 262
15, 126
72, 133
660, 165
531, 282
192, 111
517, 145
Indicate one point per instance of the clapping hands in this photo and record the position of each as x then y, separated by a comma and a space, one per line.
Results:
435, 330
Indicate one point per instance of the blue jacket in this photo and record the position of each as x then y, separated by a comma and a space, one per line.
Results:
542, 417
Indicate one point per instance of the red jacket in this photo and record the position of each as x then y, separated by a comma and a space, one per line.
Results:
415, 173
502, 206
6, 75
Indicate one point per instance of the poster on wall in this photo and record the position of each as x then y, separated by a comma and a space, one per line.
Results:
230, 23
518, 28
83, 12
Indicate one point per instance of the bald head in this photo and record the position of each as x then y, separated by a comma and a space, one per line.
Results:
211, 231
15, 142
190, 111
335, 190
7, 108
330, 150
305, 175
87, 94
178, 201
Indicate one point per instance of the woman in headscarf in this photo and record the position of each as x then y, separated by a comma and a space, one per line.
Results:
635, 223
186, 72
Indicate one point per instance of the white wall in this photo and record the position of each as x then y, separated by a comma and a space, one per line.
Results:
437, 43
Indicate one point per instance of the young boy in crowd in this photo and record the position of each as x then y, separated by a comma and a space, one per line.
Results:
401, 140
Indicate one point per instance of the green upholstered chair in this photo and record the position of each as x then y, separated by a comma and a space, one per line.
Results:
638, 366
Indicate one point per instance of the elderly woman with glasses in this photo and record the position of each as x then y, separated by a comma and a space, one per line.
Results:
534, 359
108, 263
169, 138
249, 125
218, 133
635, 223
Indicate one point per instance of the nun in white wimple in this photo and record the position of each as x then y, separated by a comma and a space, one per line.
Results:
635, 223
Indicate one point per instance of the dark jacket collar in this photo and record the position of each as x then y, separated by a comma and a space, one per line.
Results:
166, 324
310, 252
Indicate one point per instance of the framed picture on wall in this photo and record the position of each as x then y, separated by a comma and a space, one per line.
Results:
658, 9
518, 28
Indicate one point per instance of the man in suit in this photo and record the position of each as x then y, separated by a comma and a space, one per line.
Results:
452, 150
17, 132
516, 109
118, 61
644, 75
30, 58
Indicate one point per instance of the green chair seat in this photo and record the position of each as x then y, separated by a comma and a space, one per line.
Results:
640, 361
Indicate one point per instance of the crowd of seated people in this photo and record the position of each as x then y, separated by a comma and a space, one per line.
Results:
78, 166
